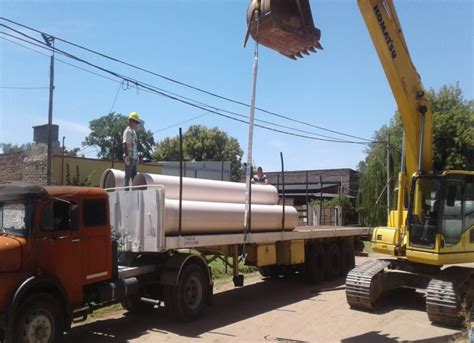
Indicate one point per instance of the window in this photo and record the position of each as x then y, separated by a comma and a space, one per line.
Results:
16, 218
469, 205
452, 223
59, 215
95, 213
424, 218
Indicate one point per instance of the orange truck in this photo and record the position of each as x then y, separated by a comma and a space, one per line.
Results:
59, 261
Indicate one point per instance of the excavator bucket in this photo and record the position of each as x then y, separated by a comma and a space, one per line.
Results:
283, 25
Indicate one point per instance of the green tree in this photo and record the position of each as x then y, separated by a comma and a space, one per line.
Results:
453, 129
8, 148
453, 148
106, 134
201, 143
71, 152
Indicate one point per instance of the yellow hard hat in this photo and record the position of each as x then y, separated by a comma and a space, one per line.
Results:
134, 116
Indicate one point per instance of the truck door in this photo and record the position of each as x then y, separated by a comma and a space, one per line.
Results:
96, 238
60, 245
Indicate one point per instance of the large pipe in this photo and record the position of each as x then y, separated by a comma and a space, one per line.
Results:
200, 217
209, 190
112, 178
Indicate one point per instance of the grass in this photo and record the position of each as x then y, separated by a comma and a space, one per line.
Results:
367, 246
219, 274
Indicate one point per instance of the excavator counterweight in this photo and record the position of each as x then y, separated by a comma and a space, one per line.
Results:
284, 25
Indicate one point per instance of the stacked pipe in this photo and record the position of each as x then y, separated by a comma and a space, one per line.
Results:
210, 206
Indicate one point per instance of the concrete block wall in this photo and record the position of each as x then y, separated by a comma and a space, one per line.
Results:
11, 166
35, 165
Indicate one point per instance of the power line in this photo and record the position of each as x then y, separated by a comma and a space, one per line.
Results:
182, 122
156, 90
9, 87
181, 83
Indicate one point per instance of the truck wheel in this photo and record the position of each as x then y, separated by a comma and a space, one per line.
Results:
134, 305
270, 271
348, 257
315, 263
189, 298
334, 262
38, 319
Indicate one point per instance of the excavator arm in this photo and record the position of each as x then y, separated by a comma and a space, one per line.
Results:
287, 27
384, 27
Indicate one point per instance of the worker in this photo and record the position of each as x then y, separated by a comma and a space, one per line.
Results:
130, 147
260, 178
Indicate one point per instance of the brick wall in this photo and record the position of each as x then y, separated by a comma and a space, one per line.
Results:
28, 167
35, 165
11, 166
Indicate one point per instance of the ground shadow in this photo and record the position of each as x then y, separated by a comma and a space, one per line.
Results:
228, 307
377, 337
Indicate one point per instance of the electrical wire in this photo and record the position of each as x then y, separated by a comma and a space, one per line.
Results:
8, 87
181, 83
156, 90
183, 122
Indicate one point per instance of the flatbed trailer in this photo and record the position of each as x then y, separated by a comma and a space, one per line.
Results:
63, 255
300, 232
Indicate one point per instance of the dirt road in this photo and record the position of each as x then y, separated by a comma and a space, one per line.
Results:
278, 310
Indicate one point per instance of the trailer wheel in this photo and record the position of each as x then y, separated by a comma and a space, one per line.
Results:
315, 263
270, 271
334, 261
189, 298
134, 305
39, 319
348, 257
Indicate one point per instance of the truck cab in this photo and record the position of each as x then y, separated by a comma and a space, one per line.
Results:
54, 241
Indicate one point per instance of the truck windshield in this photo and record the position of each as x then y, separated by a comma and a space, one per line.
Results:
424, 212
15, 218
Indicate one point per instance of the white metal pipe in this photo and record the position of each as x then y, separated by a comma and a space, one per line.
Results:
112, 178
201, 217
208, 190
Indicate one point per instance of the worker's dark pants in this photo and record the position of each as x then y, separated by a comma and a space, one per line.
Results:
130, 171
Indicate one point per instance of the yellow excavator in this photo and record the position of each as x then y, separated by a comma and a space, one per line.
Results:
436, 228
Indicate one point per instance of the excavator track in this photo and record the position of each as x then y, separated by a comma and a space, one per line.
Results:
448, 296
363, 284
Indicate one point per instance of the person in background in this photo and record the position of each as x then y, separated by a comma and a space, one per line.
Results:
130, 147
260, 178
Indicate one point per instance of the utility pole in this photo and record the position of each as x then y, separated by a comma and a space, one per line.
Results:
50, 42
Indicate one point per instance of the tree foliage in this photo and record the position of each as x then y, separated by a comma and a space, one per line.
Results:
202, 144
71, 152
106, 134
9, 148
453, 129
453, 148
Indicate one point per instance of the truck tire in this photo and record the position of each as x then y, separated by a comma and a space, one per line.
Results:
134, 305
334, 262
187, 300
315, 263
270, 271
39, 318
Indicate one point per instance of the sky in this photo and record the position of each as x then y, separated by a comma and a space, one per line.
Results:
199, 42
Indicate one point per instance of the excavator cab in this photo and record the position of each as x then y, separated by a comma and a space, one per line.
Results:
283, 25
